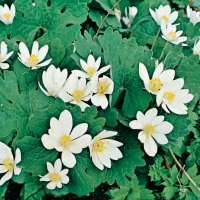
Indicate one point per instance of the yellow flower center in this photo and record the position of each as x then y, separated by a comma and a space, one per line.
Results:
172, 34
33, 60
149, 129
78, 95
102, 88
9, 164
155, 84
169, 96
165, 18
65, 140
91, 71
54, 177
99, 146
7, 16
197, 53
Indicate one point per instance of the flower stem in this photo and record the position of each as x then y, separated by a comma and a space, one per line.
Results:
94, 38
183, 170
161, 55
155, 39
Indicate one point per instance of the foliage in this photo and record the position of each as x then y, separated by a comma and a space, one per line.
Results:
25, 111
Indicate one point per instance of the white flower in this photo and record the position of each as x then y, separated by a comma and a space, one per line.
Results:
171, 96
6, 14
152, 126
128, 20
101, 86
160, 78
163, 15
91, 68
117, 14
4, 55
102, 150
60, 138
8, 163
171, 35
193, 15
196, 48
37, 55
54, 80
76, 91
55, 176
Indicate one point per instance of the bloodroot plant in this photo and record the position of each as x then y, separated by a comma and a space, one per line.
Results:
99, 93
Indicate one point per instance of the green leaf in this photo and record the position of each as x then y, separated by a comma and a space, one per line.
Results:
35, 155
60, 18
124, 69
110, 116
169, 192
157, 172
31, 187
3, 189
194, 150
119, 194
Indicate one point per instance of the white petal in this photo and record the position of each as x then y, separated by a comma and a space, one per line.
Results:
50, 167
43, 52
59, 184
157, 120
100, 100
24, 50
104, 69
80, 73
158, 70
46, 141
51, 185
84, 65
150, 147
79, 130
104, 159
91, 61
4, 65
35, 48
150, 115
96, 161
65, 97
141, 118
45, 178
6, 177
58, 165
68, 159
44, 63
164, 128
97, 63
160, 138
17, 170
66, 122
3, 169
65, 179
142, 136
106, 134
83, 141
17, 156
143, 73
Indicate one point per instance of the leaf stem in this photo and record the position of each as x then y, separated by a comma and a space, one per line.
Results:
161, 55
155, 39
102, 22
183, 170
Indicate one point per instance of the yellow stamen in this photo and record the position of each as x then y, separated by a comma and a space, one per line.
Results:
78, 95
169, 96
9, 164
7, 16
99, 146
155, 84
149, 129
91, 71
165, 18
33, 60
172, 34
197, 53
102, 88
55, 177
65, 140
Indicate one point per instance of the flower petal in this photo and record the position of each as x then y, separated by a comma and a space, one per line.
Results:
79, 130
68, 159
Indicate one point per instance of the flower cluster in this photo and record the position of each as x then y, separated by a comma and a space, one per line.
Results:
77, 90
169, 92
165, 18
8, 163
70, 141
